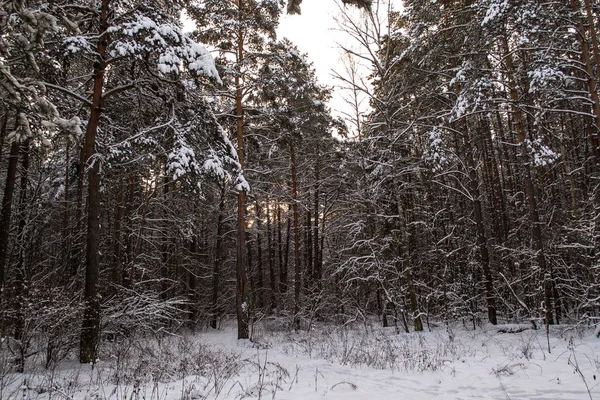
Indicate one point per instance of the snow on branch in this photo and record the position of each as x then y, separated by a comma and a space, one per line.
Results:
144, 36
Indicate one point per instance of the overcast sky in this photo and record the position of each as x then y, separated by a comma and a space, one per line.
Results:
316, 33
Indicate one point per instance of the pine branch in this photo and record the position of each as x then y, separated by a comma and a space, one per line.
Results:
293, 6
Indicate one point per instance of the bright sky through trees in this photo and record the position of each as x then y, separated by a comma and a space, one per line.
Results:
316, 33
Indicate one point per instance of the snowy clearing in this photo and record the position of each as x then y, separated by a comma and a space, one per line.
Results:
332, 363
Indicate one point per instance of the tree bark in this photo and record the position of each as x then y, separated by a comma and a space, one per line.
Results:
117, 245
591, 82
308, 250
216, 274
127, 261
297, 275
5, 214
403, 265
481, 237
536, 232
21, 273
66, 242
260, 283
3, 132
317, 271
283, 282
241, 293
271, 258
90, 329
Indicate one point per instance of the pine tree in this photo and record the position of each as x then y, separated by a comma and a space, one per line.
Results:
238, 29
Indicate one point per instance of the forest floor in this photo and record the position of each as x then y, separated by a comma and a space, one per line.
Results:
330, 363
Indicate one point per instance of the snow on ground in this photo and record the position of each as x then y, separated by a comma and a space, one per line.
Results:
331, 363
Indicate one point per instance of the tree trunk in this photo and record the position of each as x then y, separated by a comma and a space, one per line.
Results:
308, 250
260, 281
282, 288
481, 237
21, 274
317, 272
591, 82
536, 232
166, 250
5, 214
3, 132
297, 276
90, 329
403, 265
216, 274
286, 254
252, 276
192, 281
127, 261
241, 295
117, 245
76, 248
271, 258
66, 239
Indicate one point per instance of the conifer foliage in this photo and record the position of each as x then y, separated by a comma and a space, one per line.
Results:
154, 180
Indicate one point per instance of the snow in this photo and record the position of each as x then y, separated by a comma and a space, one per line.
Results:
542, 154
435, 154
333, 363
182, 159
175, 49
545, 77
497, 10
76, 44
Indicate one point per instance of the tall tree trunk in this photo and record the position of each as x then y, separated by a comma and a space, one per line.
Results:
308, 249
127, 261
497, 183
3, 132
481, 237
90, 329
76, 248
297, 275
403, 266
591, 82
241, 293
593, 91
66, 242
117, 246
5, 214
286, 254
216, 273
317, 272
166, 249
271, 258
21, 274
592, 27
536, 232
260, 283
475, 193
192, 281
252, 276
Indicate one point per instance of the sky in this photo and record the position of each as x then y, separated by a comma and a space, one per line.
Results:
316, 33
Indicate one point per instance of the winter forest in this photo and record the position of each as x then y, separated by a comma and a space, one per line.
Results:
184, 217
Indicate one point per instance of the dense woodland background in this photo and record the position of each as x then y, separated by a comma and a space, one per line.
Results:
469, 192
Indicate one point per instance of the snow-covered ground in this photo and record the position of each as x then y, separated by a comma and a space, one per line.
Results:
332, 363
